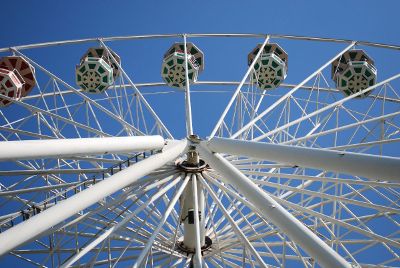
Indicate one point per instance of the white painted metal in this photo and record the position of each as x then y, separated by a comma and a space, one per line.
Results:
198, 82
235, 227
58, 117
150, 109
274, 212
249, 70
120, 224
38, 224
327, 107
332, 205
341, 128
284, 97
33, 149
198, 260
188, 105
189, 239
234, 35
365, 165
143, 254
83, 96
342, 223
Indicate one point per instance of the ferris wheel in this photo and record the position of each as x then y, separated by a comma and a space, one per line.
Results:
301, 167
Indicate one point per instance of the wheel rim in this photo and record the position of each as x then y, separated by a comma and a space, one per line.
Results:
355, 216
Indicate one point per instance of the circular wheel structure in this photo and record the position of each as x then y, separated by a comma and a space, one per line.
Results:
291, 159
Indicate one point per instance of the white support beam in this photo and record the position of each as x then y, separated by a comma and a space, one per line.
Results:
198, 260
34, 149
343, 127
149, 244
188, 205
212, 35
274, 212
325, 108
236, 229
188, 105
249, 70
290, 93
138, 93
107, 233
210, 83
82, 95
40, 223
365, 165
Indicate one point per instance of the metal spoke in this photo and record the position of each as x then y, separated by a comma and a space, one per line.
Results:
297, 174
144, 252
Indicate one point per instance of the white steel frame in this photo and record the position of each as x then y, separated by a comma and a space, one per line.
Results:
266, 206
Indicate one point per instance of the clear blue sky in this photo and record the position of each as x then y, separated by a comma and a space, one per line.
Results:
25, 22
31, 22
38, 21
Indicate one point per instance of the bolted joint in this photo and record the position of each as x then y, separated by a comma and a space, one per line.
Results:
193, 156
192, 164
189, 167
194, 139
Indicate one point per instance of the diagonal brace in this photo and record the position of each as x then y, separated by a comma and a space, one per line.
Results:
34, 149
365, 165
28, 230
273, 211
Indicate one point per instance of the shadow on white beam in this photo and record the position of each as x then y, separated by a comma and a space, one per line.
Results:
40, 223
34, 149
364, 165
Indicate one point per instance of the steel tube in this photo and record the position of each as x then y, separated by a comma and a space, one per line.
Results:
188, 205
236, 229
33, 149
290, 93
143, 254
198, 261
200, 35
188, 105
364, 165
325, 108
82, 95
249, 70
40, 223
107, 233
274, 212
138, 93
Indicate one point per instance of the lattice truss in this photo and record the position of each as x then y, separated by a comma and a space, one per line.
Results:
348, 206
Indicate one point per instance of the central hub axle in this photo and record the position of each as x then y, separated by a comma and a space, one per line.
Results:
193, 166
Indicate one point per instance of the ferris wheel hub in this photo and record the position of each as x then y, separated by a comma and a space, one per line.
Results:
190, 167
194, 138
192, 164
215, 195
180, 246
